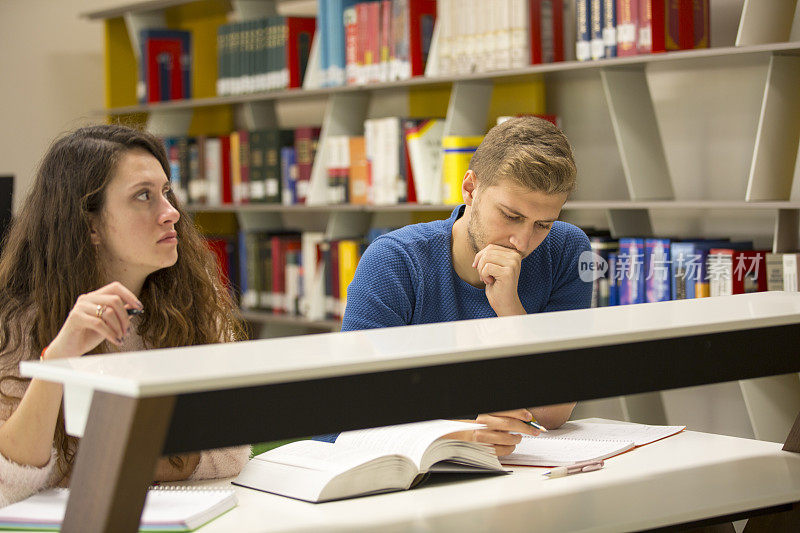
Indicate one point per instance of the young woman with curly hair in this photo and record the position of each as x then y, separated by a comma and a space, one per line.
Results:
100, 233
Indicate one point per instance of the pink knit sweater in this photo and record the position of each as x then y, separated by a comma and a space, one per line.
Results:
17, 482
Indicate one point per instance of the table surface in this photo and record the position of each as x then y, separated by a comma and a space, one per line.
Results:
679, 479
262, 362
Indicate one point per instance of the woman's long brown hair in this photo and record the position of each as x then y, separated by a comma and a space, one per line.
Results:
48, 260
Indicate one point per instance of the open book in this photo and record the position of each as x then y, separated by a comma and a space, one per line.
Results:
365, 462
584, 441
172, 508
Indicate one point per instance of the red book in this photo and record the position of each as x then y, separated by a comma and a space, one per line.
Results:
351, 45
220, 248
652, 26
687, 24
749, 271
411, 188
300, 33
546, 19
280, 245
244, 165
372, 54
165, 81
362, 32
421, 18
305, 145
385, 40
627, 27
226, 192
334, 262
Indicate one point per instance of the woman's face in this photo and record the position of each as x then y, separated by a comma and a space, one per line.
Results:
136, 230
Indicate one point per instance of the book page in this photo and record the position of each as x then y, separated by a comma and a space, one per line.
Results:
640, 434
317, 455
411, 440
535, 451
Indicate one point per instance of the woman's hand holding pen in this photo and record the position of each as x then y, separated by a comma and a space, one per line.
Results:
503, 430
96, 316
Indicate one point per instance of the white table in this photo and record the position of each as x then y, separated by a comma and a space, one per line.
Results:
168, 401
677, 480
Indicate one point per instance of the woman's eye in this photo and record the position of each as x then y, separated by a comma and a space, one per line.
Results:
144, 195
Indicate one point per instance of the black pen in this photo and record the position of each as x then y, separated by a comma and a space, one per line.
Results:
134, 312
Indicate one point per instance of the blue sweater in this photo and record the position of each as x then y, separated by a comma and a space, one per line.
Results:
407, 277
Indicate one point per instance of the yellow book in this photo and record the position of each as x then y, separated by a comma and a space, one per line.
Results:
458, 151
348, 260
236, 168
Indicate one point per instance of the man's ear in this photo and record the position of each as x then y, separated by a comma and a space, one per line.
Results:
468, 187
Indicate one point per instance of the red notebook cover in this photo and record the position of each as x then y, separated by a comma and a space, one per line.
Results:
298, 47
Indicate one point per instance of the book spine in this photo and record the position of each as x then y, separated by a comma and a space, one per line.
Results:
348, 260
657, 274
610, 28
535, 32
457, 152
702, 24
226, 185
627, 27
613, 279
630, 263
597, 17
421, 20
350, 44
235, 167
583, 25
774, 272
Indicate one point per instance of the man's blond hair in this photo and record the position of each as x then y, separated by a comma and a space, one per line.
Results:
530, 151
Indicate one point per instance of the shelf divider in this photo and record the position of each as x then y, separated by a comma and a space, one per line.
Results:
344, 115
633, 118
629, 223
775, 151
767, 21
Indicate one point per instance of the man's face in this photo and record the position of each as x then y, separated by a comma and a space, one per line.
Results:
512, 216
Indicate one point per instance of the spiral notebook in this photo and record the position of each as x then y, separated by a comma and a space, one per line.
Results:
584, 441
171, 508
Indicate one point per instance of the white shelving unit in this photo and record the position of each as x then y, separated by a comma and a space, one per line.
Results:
700, 142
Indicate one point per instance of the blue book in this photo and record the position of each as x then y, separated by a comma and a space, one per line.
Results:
288, 175
583, 30
657, 279
322, 36
610, 27
613, 280
630, 271
597, 21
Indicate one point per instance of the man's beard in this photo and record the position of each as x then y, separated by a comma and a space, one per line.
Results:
475, 233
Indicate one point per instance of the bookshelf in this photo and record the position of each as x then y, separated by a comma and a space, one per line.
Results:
690, 143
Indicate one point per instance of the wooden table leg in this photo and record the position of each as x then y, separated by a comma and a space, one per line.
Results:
116, 460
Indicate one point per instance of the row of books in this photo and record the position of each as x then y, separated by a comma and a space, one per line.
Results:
298, 274
611, 28
395, 161
487, 35
373, 41
165, 65
263, 54
634, 270
270, 165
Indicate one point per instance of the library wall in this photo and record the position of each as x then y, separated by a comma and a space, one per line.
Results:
52, 70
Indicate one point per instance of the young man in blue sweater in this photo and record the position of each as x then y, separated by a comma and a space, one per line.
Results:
501, 253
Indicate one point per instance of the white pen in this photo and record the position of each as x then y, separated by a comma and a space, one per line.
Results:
585, 466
